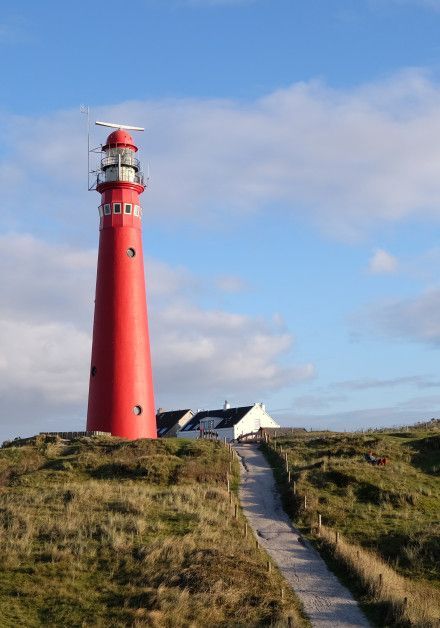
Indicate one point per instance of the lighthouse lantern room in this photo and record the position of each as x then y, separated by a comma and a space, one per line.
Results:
121, 399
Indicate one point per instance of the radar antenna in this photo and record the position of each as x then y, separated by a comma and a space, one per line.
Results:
127, 127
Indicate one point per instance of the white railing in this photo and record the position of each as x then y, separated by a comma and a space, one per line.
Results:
123, 160
131, 177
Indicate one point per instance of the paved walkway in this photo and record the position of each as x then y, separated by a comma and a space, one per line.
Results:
326, 601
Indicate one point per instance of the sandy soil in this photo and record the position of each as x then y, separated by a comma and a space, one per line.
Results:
326, 601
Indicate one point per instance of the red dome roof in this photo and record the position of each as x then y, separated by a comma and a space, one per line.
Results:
120, 138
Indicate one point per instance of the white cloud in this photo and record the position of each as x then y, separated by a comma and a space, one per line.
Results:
414, 319
345, 159
201, 354
405, 413
419, 381
382, 262
165, 281
231, 284
50, 359
46, 310
41, 283
316, 402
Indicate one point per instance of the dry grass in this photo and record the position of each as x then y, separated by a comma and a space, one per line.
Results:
402, 601
109, 533
388, 516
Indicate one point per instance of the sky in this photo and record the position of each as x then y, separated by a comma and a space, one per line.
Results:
292, 217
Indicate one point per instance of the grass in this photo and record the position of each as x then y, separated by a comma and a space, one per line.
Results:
388, 517
105, 532
395, 599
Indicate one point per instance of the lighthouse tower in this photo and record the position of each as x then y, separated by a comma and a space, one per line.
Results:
121, 399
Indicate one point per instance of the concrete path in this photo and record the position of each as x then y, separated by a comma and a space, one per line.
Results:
326, 601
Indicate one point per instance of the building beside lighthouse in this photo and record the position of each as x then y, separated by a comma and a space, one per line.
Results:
227, 422
121, 398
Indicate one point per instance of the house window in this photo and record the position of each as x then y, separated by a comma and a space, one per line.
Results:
136, 210
116, 208
207, 424
127, 208
107, 209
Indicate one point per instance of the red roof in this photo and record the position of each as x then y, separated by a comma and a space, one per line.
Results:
120, 138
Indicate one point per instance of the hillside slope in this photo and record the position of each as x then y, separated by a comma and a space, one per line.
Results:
393, 508
105, 532
387, 517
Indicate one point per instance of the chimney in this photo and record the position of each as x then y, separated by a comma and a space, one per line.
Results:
226, 405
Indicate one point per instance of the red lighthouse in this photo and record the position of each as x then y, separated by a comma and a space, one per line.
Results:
121, 399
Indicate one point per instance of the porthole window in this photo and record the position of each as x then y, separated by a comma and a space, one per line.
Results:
131, 252
94, 371
107, 209
136, 210
127, 208
116, 208
137, 410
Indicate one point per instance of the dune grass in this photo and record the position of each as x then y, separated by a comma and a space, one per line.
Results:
395, 600
387, 517
105, 532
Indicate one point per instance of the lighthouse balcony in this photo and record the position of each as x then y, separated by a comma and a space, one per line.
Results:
120, 174
123, 159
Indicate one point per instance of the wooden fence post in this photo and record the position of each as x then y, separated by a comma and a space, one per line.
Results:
245, 530
288, 476
380, 580
235, 511
319, 523
305, 501
336, 537
269, 566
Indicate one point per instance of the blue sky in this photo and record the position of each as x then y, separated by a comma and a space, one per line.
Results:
291, 227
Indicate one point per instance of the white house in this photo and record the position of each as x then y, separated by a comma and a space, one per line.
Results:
169, 423
229, 423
